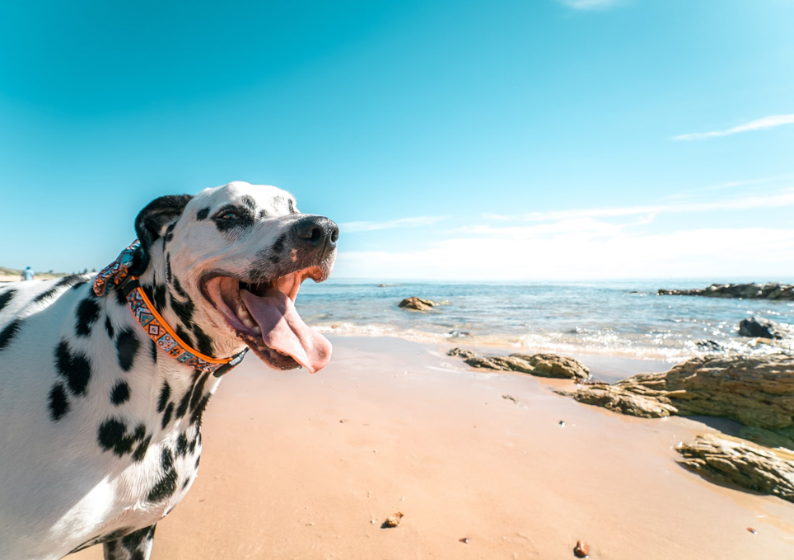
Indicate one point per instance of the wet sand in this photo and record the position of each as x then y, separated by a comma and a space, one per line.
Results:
309, 466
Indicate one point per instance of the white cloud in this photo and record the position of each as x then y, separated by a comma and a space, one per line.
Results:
715, 252
759, 124
589, 4
352, 227
783, 197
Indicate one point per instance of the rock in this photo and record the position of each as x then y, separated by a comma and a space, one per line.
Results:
770, 290
458, 334
394, 519
756, 391
417, 304
551, 365
541, 365
709, 345
619, 400
730, 460
581, 550
762, 328
461, 352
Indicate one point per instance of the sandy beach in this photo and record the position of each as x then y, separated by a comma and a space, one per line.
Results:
309, 466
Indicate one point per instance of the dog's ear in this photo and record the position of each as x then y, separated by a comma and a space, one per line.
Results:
152, 220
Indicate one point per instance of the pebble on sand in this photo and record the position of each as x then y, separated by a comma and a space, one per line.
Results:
581, 550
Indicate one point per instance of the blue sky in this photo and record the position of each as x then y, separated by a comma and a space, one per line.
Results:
551, 139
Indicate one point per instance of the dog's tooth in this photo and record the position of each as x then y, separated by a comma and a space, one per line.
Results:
248, 322
256, 329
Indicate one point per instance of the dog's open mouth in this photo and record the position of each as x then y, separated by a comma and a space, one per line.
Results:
264, 316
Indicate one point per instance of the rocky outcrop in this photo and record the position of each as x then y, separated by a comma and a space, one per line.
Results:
763, 328
541, 365
417, 304
755, 391
732, 461
770, 290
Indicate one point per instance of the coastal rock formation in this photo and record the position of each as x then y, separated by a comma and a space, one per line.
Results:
729, 460
417, 304
755, 391
541, 365
763, 328
769, 290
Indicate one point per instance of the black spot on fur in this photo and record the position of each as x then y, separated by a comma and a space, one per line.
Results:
169, 410
291, 206
74, 367
159, 297
87, 314
178, 288
120, 393
59, 402
198, 390
183, 404
193, 445
78, 284
9, 332
198, 460
113, 435
109, 327
202, 214
278, 246
181, 445
168, 274
249, 202
203, 341
198, 412
127, 345
120, 298
165, 394
166, 486
274, 259
262, 214
184, 310
140, 450
64, 283
153, 347
180, 332
5, 297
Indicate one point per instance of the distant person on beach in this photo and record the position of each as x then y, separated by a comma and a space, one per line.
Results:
27, 274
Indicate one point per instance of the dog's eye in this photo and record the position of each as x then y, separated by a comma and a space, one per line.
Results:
228, 215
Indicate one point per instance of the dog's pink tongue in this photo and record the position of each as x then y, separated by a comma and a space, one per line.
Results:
284, 330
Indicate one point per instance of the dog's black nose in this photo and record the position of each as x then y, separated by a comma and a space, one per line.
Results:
317, 232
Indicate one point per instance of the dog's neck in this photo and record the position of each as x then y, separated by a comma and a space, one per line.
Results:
184, 311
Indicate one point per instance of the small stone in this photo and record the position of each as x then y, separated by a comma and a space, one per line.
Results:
562, 423
753, 531
394, 519
464, 540
581, 550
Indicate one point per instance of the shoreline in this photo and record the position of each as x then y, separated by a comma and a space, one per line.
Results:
309, 466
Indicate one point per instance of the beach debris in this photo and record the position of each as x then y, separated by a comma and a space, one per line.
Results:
770, 290
541, 365
393, 520
562, 423
581, 550
510, 398
730, 460
753, 531
417, 304
464, 540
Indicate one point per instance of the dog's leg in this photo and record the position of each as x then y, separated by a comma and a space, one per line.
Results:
135, 546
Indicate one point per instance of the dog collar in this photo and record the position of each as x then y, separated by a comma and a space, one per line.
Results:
117, 275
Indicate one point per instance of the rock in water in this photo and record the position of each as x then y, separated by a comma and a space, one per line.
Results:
770, 290
729, 460
417, 304
761, 328
394, 519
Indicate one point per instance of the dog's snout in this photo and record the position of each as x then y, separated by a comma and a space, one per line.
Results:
317, 232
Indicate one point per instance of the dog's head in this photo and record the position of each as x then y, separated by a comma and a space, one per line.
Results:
224, 268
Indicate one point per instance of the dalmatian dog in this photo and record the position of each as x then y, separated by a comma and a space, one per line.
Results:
100, 428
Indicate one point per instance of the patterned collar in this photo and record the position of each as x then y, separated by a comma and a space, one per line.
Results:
117, 275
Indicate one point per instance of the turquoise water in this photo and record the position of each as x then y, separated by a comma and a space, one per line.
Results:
618, 317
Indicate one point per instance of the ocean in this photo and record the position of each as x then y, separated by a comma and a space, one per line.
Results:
623, 318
